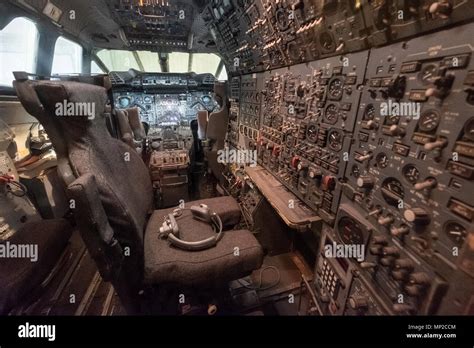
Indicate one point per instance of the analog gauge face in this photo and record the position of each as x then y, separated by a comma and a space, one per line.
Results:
428, 74
206, 99
369, 113
124, 102
355, 171
312, 133
392, 191
335, 89
429, 121
330, 115
350, 231
456, 232
335, 140
411, 174
147, 99
382, 160
469, 129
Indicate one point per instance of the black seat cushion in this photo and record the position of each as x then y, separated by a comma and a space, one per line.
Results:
236, 255
20, 276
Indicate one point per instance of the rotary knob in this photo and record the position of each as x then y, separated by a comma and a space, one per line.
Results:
400, 231
365, 182
295, 161
385, 220
329, 183
441, 8
428, 184
418, 216
358, 302
405, 264
419, 278
397, 131
391, 251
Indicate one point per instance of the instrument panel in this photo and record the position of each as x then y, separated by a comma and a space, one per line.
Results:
167, 110
379, 143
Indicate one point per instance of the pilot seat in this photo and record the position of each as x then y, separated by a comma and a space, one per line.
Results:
112, 199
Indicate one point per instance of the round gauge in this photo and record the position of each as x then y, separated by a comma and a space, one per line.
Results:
369, 113
335, 140
147, 99
382, 160
455, 231
330, 116
206, 99
355, 171
124, 102
350, 231
326, 41
283, 20
428, 74
469, 129
411, 174
335, 89
312, 133
392, 191
429, 121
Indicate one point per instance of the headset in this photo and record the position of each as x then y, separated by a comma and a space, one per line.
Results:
170, 229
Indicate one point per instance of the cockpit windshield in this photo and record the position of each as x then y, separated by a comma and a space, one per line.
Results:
175, 62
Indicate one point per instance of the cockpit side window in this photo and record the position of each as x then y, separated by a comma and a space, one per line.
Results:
67, 57
18, 48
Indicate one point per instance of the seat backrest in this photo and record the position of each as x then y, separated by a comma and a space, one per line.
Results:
122, 179
202, 119
218, 121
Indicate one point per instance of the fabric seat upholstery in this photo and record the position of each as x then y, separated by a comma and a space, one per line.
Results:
18, 276
165, 264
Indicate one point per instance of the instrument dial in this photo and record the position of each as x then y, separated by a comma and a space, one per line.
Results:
469, 129
369, 113
335, 140
428, 74
429, 121
411, 174
336, 89
350, 231
124, 102
355, 171
392, 191
456, 232
382, 160
312, 133
331, 115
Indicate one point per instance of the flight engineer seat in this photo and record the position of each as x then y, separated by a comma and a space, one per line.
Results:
111, 195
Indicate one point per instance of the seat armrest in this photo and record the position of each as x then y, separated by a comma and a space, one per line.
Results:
94, 226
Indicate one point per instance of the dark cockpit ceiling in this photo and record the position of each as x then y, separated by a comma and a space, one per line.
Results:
155, 25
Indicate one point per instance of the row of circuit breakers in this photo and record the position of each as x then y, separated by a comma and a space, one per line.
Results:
380, 144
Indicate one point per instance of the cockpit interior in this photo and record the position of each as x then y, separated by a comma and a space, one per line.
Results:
236, 157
